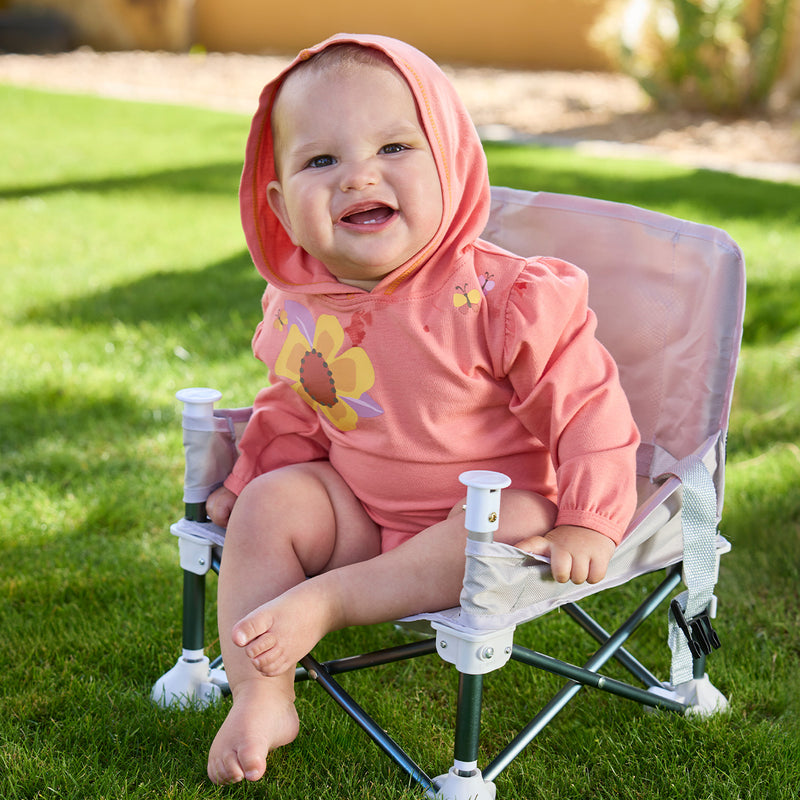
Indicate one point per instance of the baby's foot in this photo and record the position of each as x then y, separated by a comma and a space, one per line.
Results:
278, 634
261, 719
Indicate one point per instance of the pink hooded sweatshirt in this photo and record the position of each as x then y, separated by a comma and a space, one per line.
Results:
465, 357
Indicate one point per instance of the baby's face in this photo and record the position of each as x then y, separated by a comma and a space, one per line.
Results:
357, 187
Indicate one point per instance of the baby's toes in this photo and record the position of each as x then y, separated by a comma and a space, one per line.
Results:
253, 762
261, 645
248, 629
271, 663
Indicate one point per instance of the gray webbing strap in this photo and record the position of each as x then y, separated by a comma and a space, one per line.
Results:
699, 522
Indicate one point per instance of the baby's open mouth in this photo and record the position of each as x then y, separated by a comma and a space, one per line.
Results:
369, 216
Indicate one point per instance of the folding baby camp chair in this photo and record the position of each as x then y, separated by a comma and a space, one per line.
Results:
669, 297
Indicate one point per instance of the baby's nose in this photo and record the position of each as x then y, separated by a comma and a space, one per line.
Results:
359, 175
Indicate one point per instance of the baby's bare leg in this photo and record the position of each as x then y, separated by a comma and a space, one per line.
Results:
425, 573
284, 526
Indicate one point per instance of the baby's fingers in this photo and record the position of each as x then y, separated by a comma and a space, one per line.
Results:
598, 568
561, 564
535, 545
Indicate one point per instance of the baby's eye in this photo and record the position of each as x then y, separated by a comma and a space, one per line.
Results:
320, 161
389, 149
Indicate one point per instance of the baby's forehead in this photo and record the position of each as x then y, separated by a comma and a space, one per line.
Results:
344, 56
338, 66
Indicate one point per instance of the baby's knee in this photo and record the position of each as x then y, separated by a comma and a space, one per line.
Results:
280, 495
294, 481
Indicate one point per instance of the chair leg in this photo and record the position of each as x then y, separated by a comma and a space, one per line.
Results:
464, 780
191, 682
468, 722
196, 560
194, 607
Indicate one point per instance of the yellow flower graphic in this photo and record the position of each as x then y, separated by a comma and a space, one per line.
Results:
335, 383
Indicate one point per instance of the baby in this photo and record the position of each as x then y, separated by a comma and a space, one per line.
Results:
402, 351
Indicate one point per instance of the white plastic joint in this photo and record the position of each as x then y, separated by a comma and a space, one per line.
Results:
195, 554
188, 684
453, 786
474, 653
699, 696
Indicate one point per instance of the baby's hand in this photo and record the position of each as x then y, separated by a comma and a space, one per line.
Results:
219, 506
576, 554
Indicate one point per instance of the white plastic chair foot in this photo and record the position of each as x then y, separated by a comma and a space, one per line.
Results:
187, 685
699, 695
453, 786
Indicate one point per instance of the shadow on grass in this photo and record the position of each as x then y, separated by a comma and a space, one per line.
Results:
58, 413
713, 195
212, 294
85, 468
773, 311
221, 178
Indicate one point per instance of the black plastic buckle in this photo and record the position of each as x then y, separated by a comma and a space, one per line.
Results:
698, 631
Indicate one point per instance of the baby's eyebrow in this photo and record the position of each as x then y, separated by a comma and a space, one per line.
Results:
301, 145
402, 130
302, 151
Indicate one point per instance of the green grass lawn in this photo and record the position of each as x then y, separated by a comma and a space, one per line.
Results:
125, 278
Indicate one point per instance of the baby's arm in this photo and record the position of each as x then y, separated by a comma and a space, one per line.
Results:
577, 554
219, 506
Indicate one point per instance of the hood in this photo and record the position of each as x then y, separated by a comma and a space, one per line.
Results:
458, 155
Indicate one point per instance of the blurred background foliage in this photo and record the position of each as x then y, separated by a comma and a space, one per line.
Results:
723, 56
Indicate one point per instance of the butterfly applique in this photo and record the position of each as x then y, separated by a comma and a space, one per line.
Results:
466, 299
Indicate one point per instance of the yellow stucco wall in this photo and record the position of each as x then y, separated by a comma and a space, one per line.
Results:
540, 34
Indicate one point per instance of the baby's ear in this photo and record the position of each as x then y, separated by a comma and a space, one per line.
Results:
278, 206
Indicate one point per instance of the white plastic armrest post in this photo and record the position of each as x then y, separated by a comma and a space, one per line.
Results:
198, 401
198, 413
483, 502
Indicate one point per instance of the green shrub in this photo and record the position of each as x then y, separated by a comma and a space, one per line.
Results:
712, 55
